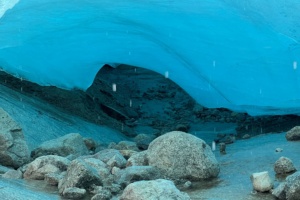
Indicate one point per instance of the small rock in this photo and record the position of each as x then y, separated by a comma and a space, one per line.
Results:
261, 181
222, 148
187, 184
126, 145
102, 194
143, 140
106, 154
284, 165
117, 161
182, 127
278, 150
138, 159
74, 193
115, 188
155, 189
99, 166
90, 144
115, 170
246, 136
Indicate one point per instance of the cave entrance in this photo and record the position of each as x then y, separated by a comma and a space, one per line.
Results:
141, 99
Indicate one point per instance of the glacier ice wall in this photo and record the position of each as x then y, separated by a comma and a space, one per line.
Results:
242, 55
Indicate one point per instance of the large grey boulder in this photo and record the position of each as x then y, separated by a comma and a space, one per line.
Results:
43, 165
284, 165
293, 134
153, 190
13, 148
136, 173
81, 175
181, 155
70, 144
292, 186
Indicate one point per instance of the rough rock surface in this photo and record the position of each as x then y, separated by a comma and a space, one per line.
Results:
293, 134
106, 154
284, 165
79, 174
13, 174
152, 190
54, 178
138, 159
74, 193
100, 166
292, 187
183, 156
70, 144
136, 173
124, 145
43, 165
261, 181
127, 153
143, 140
90, 144
102, 194
279, 192
13, 148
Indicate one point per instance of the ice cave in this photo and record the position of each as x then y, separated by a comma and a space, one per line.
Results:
137, 100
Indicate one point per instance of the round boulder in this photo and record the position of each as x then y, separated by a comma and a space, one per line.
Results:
293, 134
284, 165
181, 155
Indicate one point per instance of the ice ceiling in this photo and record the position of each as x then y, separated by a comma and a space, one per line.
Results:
238, 54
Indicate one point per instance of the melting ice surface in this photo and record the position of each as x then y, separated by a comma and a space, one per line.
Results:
242, 55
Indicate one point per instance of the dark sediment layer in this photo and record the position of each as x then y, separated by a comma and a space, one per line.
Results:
143, 98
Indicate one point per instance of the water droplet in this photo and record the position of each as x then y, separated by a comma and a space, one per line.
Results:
167, 74
213, 146
295, 65
114, 87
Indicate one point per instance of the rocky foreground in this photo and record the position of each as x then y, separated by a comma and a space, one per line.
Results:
146, 168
